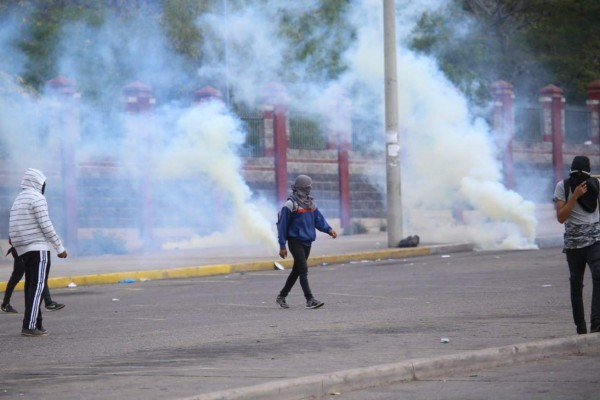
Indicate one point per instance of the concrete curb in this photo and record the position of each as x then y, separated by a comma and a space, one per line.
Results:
224, 269
319, 386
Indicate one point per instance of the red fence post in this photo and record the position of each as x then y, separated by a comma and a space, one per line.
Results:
593, 102
140, 102
552, 101
207, 93
63, 92
276, 94
502, 94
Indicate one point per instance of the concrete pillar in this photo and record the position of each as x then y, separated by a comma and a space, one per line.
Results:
503, 96
66, 106
139, 106
593, 102
553, 101
276, 95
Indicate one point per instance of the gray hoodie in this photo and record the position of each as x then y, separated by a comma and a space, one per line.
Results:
30, 228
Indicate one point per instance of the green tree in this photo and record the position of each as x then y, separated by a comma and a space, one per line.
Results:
528, 43
318, 37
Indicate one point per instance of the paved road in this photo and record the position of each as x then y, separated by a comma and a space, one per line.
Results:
178, 338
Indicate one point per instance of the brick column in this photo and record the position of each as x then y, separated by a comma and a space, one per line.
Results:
65, 100
139, 106
593, 102
207, 93
552, 101
276, 95
502, 94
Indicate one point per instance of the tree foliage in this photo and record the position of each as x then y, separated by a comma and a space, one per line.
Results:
530, 43
318, 38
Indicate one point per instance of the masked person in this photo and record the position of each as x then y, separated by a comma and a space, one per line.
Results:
33, 236
576, 201
15, 277
298, 221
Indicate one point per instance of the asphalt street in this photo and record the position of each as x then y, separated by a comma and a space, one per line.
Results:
183, 337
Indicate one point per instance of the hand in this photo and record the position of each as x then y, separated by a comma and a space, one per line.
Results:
63, 254
333, 233
580, 190
283, 253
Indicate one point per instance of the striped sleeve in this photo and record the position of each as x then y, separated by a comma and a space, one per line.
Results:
40, 211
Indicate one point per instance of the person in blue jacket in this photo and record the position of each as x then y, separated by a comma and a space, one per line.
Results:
297, 223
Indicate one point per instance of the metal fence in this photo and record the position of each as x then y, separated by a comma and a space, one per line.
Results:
307, 132
578, 127
528, 123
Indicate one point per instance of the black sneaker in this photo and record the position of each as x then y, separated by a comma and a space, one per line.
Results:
41, 329
314, 303
281, 301
53, 306
34, 332
7, 308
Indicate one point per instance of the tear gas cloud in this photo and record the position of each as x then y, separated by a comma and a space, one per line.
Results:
448, 158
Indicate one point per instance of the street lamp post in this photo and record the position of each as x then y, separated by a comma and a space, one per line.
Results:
394, 203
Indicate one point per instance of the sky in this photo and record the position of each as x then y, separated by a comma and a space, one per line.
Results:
449, 157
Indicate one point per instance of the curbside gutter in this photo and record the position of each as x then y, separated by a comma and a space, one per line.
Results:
224, 269
320, 386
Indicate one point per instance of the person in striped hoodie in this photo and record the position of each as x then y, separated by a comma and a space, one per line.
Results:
33, 236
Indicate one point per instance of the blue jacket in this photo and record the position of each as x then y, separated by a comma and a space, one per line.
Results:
300, 224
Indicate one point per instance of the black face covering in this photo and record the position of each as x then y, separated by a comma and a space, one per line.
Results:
580, 172
43, 187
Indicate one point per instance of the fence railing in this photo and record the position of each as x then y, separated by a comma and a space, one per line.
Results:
578, 127
528, 123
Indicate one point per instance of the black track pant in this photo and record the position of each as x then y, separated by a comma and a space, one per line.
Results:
37, 267
300, 252
16, 276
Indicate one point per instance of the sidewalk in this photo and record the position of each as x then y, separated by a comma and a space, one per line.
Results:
219, 260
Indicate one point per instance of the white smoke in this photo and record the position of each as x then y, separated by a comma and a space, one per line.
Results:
208, 144
449, 159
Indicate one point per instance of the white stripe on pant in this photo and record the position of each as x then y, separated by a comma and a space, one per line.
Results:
39, 289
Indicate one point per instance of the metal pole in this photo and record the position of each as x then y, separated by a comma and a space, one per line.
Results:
394, 203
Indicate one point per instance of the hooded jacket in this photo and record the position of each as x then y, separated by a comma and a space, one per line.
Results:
30, 228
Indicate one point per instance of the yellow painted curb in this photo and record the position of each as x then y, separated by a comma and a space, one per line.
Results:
223, 269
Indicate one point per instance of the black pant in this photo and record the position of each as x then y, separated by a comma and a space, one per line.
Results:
37, 267
16, 276
577, 259
300, 252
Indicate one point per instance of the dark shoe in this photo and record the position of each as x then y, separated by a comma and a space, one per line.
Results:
7, 308
33, 332
281, 301
41, 329
595, 329
314, 303
53, 306
582, 331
